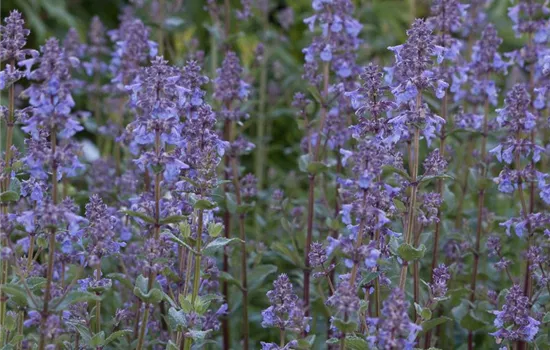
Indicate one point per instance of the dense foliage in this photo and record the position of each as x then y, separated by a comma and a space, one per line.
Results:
332, 174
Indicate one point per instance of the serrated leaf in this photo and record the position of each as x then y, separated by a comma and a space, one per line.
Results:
9, 196
218, 244
434, 322
546, 318
139, 215
408, 253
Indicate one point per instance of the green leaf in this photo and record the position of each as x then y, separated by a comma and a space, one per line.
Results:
10, 322
17, 293
62, 303
315, 94
471, 322
116, 335
424, 312
214, 229
198, 335
9, 196
227, 277
434, 322
175, 239
546, 318
428, 178
345, 326
204, 204
98, 340
306, 343
15, 186
369, 277
141, 290
401, 172
356, 343
121, 278
171, 346
36, 283
140, 215
173, 219
218, 244
246, 208
176, 319
231, 203
408, 253
258, 275
316, 168
303, 162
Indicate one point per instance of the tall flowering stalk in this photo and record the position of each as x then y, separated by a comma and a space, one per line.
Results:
13, 38
517, 149
334, 49
413, 74
156, 97
525, 16
50, 117
485, 61
231, 90
447, 18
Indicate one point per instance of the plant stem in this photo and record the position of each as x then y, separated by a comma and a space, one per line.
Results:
481, 206
98, 302
442, 138
143, 327
358, 242
311, 192
242, 235
412, 201
4, 265
196, 276
51, 249
411, 217
227, 229
156, 236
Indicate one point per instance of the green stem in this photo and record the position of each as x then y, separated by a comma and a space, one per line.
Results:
98, 302
51, 251
411, 213
311, 192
